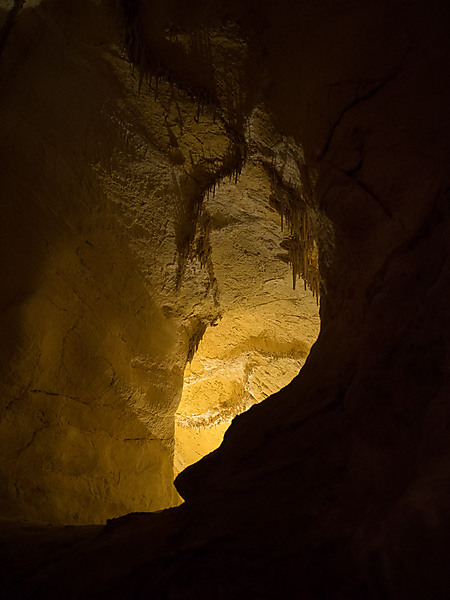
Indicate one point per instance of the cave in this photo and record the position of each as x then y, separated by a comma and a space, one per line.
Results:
266, 326
225, 219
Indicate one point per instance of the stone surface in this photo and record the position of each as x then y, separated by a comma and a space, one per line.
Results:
84, 343
112, 236
105, 290
336, 487
267, 328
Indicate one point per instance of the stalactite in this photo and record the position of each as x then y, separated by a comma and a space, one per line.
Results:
191, 232
303, 225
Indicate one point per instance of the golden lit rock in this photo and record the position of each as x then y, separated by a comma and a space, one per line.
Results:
127, 236
267, 328
163, 164
107, 288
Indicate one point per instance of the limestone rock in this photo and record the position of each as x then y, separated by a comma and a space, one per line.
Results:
336, 487
106, 285
267, 328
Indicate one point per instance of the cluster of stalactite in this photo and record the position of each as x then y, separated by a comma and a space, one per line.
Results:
198, 331
301, 245
202, 178
182, 49
192, 223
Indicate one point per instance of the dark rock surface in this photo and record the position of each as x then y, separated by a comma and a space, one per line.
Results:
338, 487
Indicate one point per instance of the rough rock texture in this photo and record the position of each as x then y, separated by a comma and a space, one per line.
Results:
83, 342
107, 284
110, 211
267, 327
338, 486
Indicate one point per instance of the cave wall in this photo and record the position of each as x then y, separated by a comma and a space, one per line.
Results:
111, 263
267, 325
83, 338
105, 291
337, 487
345, 472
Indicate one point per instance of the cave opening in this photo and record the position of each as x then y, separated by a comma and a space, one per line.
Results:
267, 324
237, 178
336, 487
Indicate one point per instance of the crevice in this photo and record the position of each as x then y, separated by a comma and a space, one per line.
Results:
33, 437
364, 187
358, 100
375, 198
434, 219
74, 398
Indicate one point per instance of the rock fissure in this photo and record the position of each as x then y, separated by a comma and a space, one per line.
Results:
74, 398
364, 97
33, 438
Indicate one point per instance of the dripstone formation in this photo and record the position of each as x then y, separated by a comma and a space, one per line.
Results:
139, 139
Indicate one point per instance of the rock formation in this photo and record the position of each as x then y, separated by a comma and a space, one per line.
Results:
337, 486
266, 329
111, 271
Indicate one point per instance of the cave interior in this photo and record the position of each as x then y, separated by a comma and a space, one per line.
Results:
224, 296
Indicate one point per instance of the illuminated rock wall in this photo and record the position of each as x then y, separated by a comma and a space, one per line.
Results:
107, 283
120, 180
338, 486
86, 423
267, 328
